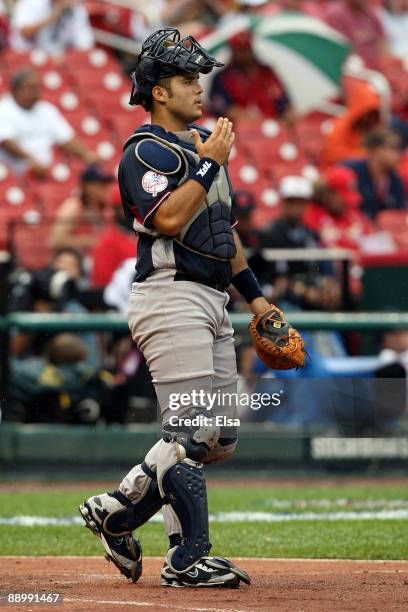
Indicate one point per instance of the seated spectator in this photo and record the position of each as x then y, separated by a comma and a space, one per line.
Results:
345, 140
62, 286
59, 386
301, 284
394, 17
246, 88
335, 214
48, 289
81, 219
31, 127
51, 25
358, 21
189, 16
114, 246
378, 181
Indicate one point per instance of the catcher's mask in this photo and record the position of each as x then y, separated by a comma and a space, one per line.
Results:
164, 54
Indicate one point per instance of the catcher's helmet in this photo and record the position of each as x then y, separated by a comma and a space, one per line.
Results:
164, 53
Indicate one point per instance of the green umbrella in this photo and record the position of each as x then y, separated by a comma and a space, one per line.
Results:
305, 53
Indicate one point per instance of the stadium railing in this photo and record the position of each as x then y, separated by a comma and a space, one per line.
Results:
109, 322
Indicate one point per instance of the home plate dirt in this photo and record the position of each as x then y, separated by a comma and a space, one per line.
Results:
90, 583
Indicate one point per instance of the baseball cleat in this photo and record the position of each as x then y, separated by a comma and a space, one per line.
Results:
215, 572
123, 549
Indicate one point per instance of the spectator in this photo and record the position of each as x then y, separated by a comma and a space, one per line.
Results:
59, 386
115, 245
31, 127
394, 17
345, 141
303, 284
49, 289
358, 21
80, 219
192, 16
246, 88
51, 25
116, 294
335, 215
235, 10
378, 181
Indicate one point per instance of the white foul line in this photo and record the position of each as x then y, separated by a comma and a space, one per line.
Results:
231, 517
148, 605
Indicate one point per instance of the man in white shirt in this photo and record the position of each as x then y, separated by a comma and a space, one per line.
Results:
51, 25
31, 127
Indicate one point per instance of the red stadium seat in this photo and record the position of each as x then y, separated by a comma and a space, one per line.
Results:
393, 220
95, 59
51, 194
31, 244
36, 59
124, 125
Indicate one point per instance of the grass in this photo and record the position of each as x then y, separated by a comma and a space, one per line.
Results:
358, 539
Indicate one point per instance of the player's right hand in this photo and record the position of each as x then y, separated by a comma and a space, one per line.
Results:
218, 145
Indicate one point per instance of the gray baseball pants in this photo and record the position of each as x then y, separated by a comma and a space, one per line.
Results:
185, 335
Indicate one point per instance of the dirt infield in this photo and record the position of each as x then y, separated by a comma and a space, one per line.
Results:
284, 585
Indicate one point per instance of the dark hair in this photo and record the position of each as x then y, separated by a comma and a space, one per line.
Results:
69, 251
66, 348
378, 138
147, 100
20, 76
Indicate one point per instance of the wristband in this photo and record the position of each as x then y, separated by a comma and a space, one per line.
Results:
205, 172
245, 282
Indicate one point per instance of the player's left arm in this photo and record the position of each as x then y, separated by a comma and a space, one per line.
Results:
245, 282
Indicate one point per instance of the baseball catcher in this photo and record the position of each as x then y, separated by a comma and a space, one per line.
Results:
177, 196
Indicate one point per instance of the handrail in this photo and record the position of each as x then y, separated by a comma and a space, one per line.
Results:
361, 321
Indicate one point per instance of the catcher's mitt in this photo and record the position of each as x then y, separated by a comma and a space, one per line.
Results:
277, 344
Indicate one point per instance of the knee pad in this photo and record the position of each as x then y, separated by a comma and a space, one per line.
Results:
195, 439
224, 448
185, 490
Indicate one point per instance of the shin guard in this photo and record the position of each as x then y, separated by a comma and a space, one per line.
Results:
185, 489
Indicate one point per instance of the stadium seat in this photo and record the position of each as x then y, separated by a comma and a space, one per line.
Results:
36, 59
95, 59
31, 244
51, 194
296, 167
392, 220
396, 223
124, 125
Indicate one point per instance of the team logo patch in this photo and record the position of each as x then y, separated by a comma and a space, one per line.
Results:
154, 183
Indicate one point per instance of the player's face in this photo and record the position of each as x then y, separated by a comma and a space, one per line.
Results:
185, 100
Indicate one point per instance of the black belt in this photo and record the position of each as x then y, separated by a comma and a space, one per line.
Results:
182, 276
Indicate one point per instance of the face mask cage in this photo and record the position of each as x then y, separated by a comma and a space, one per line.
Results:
164, 53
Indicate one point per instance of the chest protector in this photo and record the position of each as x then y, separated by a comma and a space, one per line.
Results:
208, 232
